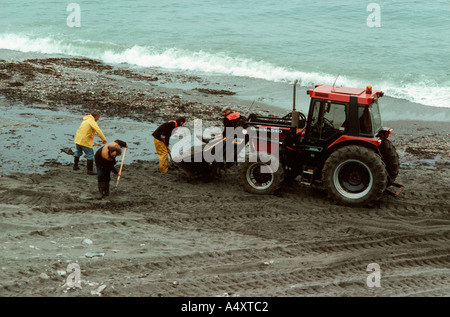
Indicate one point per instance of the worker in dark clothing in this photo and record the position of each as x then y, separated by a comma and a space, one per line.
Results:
105, 161
161, 137
230, 122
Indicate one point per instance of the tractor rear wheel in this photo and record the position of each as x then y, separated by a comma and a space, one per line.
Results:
354, 176
261, 176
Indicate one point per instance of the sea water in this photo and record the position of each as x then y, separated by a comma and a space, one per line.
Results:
401, 47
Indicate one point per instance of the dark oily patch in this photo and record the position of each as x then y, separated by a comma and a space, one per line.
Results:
215, 91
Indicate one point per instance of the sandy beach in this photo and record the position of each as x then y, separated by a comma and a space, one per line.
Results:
173, 236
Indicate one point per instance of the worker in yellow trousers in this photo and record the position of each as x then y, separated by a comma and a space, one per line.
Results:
163, 155
161, 137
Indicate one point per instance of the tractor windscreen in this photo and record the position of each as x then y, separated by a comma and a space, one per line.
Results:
376, 117
369, 119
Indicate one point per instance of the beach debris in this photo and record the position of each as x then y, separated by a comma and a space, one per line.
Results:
215, 91
51, 162
99, 290
131, 75
87, 242
94, 254
44, 276
67, 151
228, 294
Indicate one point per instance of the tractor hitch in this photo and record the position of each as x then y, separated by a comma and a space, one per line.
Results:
398, 192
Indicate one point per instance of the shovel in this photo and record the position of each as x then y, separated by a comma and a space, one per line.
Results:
121, 166
172, 164
114, 191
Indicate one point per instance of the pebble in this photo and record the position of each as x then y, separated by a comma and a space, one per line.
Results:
94, 254
87, 242
98, 291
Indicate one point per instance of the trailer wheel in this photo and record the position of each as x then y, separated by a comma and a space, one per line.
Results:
354, 176
390, 158
255, 181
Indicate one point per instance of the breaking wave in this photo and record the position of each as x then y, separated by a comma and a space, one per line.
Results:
425, 92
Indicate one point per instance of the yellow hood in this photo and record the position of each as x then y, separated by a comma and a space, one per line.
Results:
86, 132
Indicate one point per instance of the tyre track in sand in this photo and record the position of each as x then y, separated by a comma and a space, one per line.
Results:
206, 243
297, 278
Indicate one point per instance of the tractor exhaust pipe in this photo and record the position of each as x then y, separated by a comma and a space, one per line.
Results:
295, 114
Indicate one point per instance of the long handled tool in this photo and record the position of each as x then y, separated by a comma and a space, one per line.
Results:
121, 166
114, 191
171, 162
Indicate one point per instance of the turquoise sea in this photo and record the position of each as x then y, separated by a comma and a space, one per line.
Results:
401, 47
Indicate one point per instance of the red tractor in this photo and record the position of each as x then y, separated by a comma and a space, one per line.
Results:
341, 146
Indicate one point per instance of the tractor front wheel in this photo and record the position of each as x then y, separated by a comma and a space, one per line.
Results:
354, 176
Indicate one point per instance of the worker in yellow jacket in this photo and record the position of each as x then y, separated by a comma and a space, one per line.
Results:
84, 140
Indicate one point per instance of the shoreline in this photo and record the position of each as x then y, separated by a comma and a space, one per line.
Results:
270, 96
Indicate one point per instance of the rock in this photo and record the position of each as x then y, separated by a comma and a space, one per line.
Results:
99, 290
94, 254
87, 242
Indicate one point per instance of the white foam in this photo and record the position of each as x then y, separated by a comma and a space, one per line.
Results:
26, 44
429, 95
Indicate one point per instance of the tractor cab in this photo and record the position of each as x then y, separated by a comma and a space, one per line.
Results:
338, 111
339, 118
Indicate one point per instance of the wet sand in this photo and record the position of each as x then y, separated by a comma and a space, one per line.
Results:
173, 236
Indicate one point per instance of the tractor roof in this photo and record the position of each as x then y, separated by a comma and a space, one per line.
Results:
332, 93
